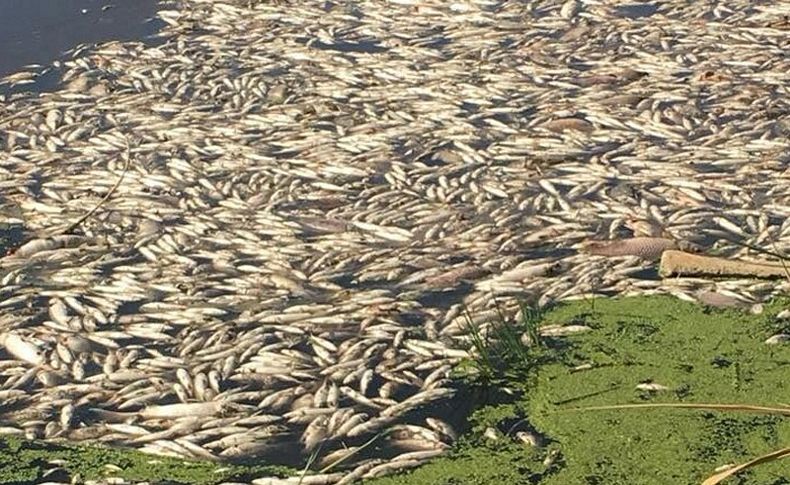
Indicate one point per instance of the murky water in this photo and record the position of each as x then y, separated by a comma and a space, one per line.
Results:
637, 10
40, 31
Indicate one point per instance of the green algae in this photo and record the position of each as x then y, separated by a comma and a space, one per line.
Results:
24, 461
700, 355
476, 464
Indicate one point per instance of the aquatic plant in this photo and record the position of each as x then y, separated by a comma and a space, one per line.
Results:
721, 475
781, 410
506, 348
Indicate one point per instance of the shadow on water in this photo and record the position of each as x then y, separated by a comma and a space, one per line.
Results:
41, 31
11, 236
637, 10
361, 46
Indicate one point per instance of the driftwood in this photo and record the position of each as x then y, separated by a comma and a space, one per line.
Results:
680, 263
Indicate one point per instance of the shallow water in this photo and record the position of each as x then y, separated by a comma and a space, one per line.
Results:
40, 31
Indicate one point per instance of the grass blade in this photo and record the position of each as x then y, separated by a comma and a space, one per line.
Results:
783, 411
531, 319
719, 477
483, 361
356, 452
310, 461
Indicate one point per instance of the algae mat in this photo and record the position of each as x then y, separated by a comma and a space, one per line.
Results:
699, 355
24, 462
635, 344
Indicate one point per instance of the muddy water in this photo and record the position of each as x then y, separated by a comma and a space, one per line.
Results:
40, 31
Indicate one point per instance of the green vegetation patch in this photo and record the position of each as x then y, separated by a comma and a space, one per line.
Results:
635, 345
475, 463
23, 461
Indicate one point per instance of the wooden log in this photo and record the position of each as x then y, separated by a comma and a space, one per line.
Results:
680, 263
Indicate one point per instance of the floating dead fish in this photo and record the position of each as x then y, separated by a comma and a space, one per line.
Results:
651, 387
569, 124
720, 300
170, 411
650, 248
35, 246
778, 339
22, 348
296, 252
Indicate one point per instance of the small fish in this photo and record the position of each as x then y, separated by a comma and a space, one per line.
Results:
651, 387
778, 339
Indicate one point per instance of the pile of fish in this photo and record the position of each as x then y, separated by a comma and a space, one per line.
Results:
293, 202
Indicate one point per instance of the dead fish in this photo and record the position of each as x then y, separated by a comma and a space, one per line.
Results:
650, 248
22, 348
651, 386
38, 245
568, 124
529, 438
720, 300
778, 339
454, 276
171, 411
621, 99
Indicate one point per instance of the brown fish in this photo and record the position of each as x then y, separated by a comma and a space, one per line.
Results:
622, 99
567, 124
649, 248
720, 300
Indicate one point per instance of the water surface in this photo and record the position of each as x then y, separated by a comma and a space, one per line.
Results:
40, 31
637, 10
